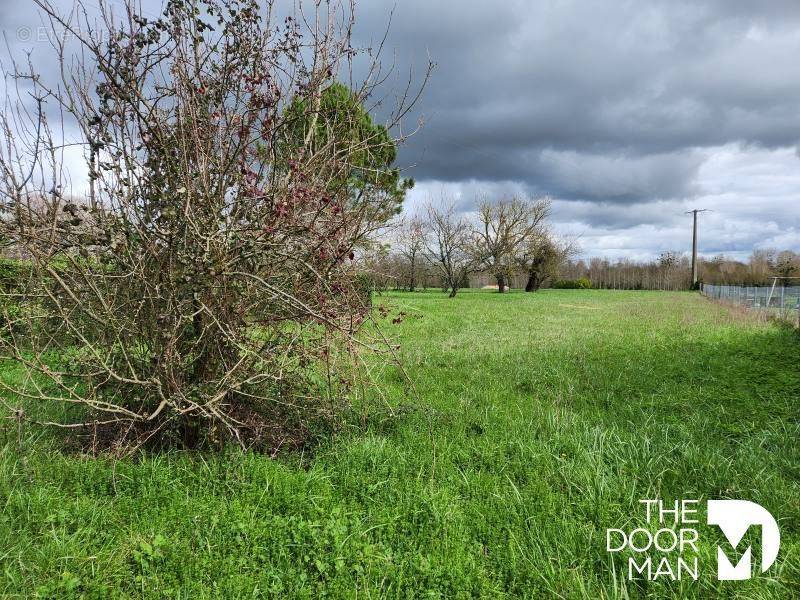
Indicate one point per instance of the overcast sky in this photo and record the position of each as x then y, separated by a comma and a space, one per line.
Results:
627, 113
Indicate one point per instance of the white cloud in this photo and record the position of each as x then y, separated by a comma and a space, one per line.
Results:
752, 195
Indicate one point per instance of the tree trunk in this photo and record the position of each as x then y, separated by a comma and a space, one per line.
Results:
453, 291
413, 283
501, 283
534, 283
529, 286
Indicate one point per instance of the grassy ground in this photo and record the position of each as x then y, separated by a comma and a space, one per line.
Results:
539, 421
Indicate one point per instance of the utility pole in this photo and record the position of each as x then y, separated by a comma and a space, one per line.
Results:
694, 244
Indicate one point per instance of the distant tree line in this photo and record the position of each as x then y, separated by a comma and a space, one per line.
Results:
759, 269
508, 243
672, 271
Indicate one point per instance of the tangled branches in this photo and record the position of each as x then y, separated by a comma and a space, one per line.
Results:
204, 289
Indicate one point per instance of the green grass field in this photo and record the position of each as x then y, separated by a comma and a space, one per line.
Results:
539, 420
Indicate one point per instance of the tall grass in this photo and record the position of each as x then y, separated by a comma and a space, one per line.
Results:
535, 422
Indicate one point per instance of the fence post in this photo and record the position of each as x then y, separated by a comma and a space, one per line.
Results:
783, 289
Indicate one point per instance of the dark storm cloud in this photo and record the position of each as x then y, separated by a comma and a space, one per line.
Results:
603, 100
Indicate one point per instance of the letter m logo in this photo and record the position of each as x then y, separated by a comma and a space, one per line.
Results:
734, 518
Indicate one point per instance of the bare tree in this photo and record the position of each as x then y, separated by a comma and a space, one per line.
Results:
448, 246
502, 228
232, 179
410, 245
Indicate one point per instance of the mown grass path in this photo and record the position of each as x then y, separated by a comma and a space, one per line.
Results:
539, 420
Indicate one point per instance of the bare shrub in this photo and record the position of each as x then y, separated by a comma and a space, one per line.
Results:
204, 291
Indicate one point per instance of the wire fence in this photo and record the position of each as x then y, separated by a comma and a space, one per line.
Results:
779, 301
